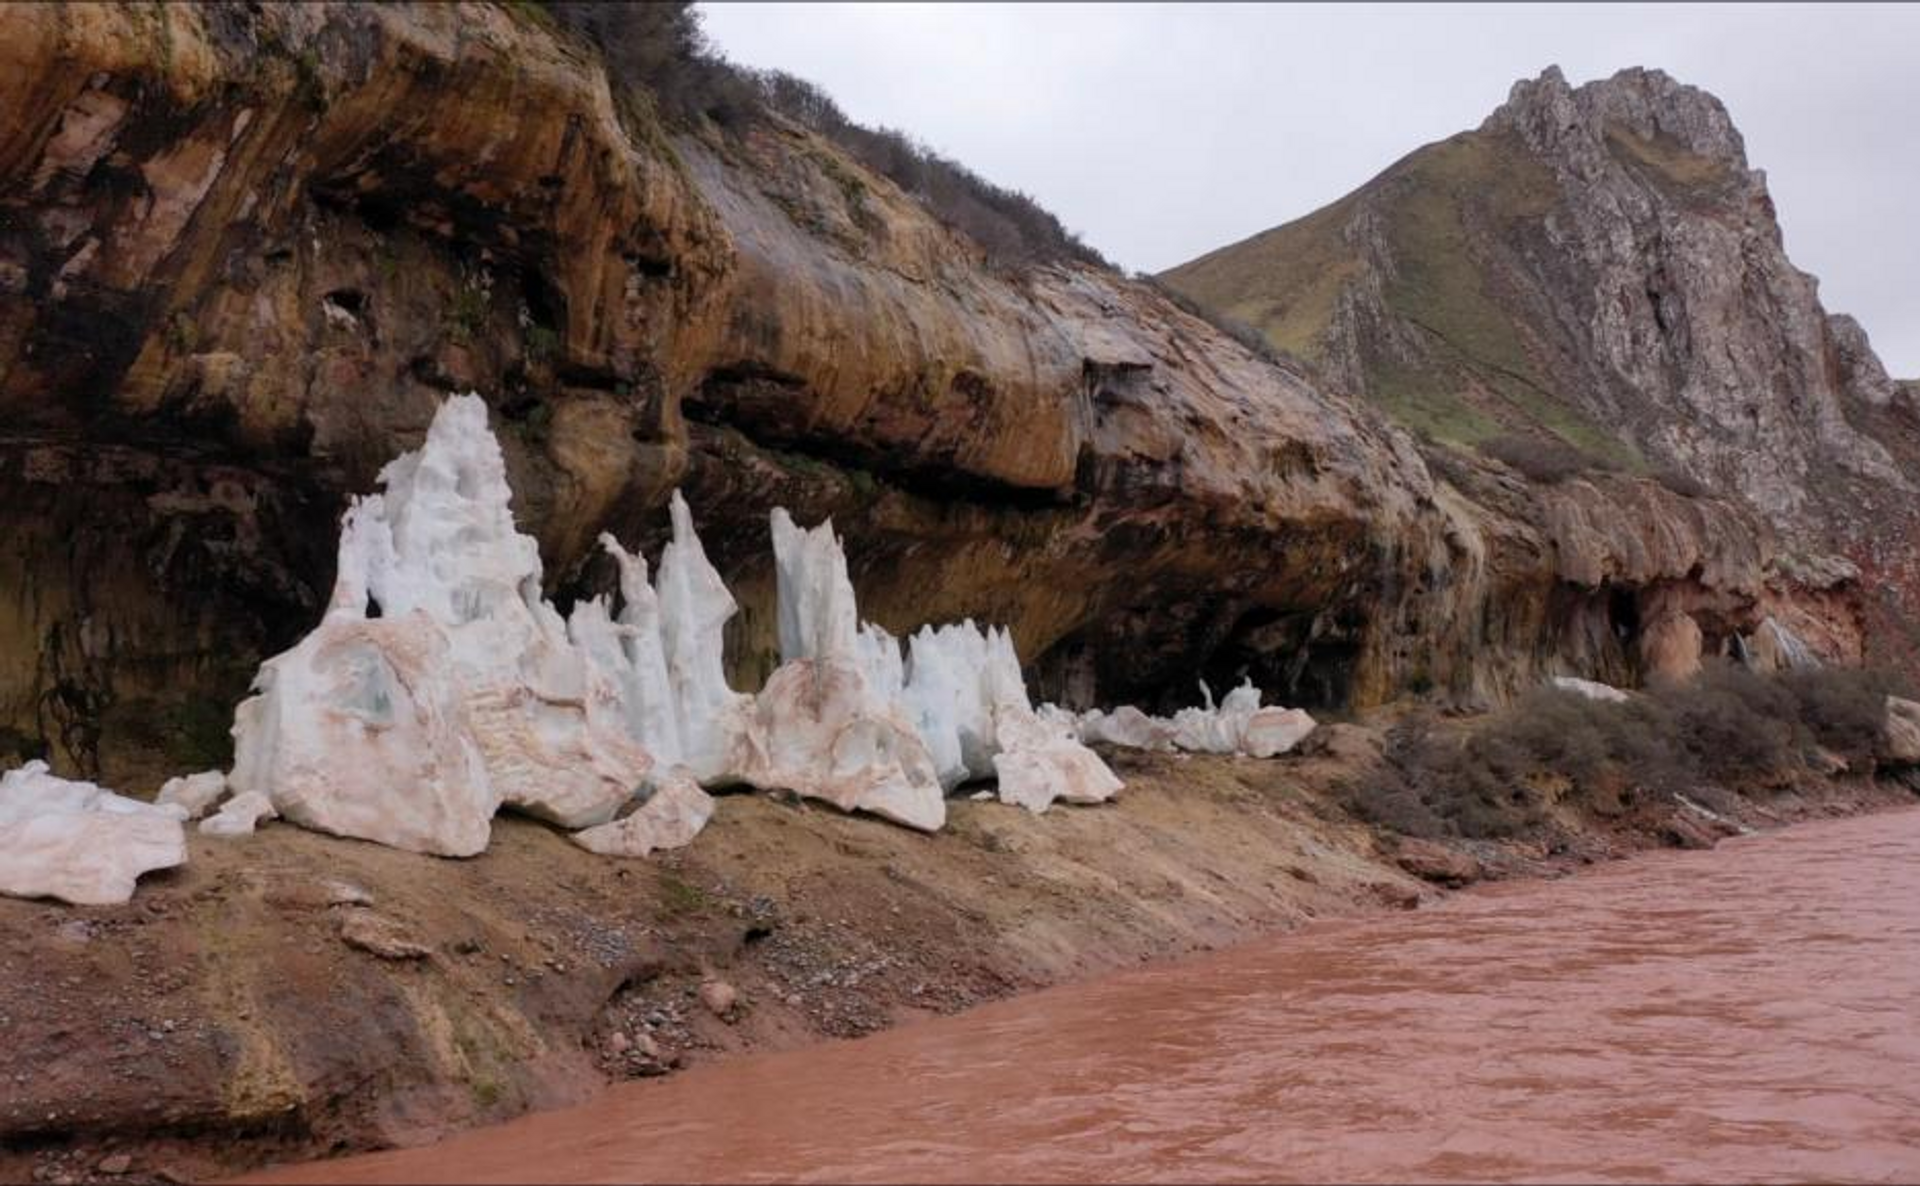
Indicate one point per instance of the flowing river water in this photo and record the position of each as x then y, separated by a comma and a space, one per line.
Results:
1750, 1013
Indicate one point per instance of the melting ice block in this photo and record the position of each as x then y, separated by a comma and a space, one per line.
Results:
440, 684
78, 842
710, 717
1591, 689
239, 816
670, 818
194, 793
1239, 724
828, 724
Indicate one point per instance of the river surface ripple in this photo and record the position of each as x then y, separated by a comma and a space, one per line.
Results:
1749, 1013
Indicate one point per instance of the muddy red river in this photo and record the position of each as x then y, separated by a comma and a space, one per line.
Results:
1747, 1013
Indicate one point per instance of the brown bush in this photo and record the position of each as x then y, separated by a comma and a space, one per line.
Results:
1845, 710
1727, 727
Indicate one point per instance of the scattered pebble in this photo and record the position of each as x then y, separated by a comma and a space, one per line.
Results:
719, 997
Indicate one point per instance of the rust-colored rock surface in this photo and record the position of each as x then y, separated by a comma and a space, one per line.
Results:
245, 250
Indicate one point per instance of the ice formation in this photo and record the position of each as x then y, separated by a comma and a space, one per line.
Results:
670, 818
239, 816
952, 709
694, 608
1590, 689
665, 657
829, 723
441, 684
1239, 724
194, 793
79, 843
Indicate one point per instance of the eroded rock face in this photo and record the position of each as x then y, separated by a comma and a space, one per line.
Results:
79, 843
1599, 268
235, 280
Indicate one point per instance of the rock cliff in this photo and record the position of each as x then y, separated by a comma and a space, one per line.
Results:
1599, 270
246, 250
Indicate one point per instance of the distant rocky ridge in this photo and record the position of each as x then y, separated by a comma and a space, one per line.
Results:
246, 251
1598, 268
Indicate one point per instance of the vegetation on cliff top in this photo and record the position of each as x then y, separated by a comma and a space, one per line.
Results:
661, 47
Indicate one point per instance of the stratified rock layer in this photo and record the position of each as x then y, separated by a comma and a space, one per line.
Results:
238, 275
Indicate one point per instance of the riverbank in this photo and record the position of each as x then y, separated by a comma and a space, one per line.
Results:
1732, 1015
290, 996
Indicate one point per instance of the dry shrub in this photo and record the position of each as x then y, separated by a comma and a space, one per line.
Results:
661, 47
1845, 709
1726, 728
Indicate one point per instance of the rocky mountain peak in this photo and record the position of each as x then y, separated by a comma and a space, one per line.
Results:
1558, 120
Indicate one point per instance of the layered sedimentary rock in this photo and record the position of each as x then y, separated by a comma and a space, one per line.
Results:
79, 843
237, 275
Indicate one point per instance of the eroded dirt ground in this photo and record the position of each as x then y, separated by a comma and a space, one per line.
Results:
292, 995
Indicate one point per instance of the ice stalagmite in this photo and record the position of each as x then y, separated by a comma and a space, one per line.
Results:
441, 684
954, 708
711, 718
631, 650
828, 724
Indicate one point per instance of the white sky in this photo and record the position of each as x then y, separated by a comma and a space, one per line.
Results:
1162, 131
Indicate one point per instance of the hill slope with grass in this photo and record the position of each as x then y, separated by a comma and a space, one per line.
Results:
1594, 279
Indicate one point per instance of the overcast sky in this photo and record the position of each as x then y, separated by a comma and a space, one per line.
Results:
1160, 132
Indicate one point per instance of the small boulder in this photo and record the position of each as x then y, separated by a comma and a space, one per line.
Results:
1902, 731
719, 997
1437, 863
1355, 745
345, 893
1686, 830
379, 935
